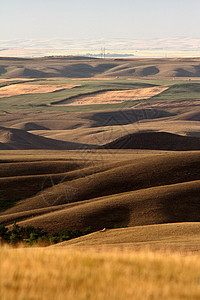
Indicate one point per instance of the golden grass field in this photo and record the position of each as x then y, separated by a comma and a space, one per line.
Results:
20, 89
43, 273
115, 96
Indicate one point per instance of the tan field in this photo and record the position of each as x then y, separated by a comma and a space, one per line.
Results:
11, 79
115, 96
20, 89
68, 274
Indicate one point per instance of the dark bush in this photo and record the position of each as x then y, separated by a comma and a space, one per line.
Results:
31, 235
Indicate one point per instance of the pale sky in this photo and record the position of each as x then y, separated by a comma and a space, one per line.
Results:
134, 19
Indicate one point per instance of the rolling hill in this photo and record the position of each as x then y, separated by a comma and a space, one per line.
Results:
155, 141
162, 237
85, 67
124, 117
157, 205
148, 189
193, 115
19, 139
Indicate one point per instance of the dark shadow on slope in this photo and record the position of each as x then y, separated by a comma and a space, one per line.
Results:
124, 117
17, 139
155, 141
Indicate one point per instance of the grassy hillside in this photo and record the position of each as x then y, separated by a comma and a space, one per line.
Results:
124, 189
184, 91
19, 139
174, 203
182, 237
156, 141
84, 67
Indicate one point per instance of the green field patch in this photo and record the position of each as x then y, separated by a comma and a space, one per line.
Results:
85, 89
178, 90
184, 91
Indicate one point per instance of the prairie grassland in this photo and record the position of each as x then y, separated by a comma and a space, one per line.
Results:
42, 273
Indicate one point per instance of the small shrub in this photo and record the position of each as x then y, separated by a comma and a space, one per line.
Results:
31, 235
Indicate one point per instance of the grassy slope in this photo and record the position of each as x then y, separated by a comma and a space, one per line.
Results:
71, 126
107, 134
182, 236
125, 176
20, 139
184, 91
155, 140
166, 204
155, 189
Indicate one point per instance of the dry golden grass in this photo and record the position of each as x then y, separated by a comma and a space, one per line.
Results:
11, 79
115, 96
18, 89
67, 274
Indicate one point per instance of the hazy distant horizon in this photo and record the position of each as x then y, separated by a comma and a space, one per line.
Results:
171, 47
107, 19
113, 43
77, 27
